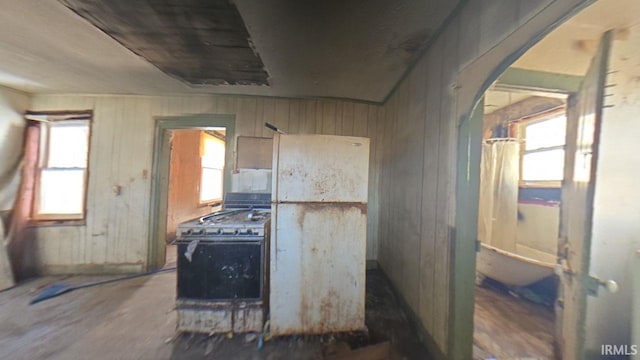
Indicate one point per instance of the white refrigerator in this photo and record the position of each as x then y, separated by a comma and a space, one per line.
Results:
318, 234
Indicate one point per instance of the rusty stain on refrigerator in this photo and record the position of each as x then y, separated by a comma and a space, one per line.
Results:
318, 234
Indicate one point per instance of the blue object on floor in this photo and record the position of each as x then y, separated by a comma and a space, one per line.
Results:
56, 290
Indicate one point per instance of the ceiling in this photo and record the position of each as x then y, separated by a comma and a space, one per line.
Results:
569, 48
356, 49
200, 42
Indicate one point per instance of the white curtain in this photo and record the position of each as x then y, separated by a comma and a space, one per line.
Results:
498, 210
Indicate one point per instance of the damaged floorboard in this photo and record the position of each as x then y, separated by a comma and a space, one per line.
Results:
136, 319
506, 327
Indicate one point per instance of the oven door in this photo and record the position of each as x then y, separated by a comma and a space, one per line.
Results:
221, 269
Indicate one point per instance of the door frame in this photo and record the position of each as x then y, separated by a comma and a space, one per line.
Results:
467, 192
462, 263
156, 242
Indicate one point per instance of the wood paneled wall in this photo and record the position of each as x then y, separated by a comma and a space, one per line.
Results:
418, 236
116, 232
416, 194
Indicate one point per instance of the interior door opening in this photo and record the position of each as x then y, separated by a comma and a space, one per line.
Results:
546, 273
199, 127
196, 178
518, 219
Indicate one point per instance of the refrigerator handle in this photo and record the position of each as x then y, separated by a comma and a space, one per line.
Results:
274, 128
274, 239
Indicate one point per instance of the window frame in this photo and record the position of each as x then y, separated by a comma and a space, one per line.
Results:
46, 120
210, 202
523, 123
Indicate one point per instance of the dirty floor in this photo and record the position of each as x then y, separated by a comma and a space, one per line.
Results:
135, 319
509, 327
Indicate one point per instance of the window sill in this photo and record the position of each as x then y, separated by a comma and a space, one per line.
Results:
212, 203
51, 223
540, 184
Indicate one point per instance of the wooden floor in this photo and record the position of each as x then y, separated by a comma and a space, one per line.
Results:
506, 327
135, 319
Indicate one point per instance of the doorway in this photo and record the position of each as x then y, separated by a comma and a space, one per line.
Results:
521, 171
196, 183
203, 125
589, 281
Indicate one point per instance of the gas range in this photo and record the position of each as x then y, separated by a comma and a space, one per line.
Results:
222, 267
225, 224
243, 215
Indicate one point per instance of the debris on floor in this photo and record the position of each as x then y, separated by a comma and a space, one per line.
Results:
510, 327
134, 319
543, 292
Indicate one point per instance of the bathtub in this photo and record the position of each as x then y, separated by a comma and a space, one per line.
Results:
509, 268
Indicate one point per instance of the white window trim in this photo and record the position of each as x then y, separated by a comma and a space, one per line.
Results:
43, 152
522, 125
208, 202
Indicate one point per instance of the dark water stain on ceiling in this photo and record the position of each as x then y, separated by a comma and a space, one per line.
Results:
201, 42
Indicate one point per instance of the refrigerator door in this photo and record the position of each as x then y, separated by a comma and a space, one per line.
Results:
320, 168
317, 268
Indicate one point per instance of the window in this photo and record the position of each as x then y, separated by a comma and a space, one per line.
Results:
543, 155
212, 161
62, 168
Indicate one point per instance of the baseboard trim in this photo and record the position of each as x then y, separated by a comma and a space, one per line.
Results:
423, 334
91, 269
